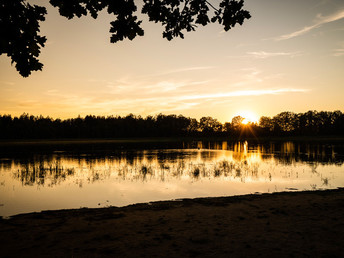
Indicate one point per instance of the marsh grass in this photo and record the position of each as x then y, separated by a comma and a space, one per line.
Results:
41, 174
196, 172
54, 172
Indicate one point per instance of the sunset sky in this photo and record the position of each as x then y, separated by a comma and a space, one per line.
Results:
288, 57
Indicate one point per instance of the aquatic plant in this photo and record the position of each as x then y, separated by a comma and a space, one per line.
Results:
196, 172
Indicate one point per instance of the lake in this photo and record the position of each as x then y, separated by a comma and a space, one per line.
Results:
35, 177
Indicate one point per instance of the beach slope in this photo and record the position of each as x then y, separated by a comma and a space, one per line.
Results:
291, 224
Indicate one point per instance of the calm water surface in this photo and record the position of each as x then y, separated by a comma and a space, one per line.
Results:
61, 177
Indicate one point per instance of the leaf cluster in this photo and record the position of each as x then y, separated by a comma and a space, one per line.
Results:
178, 16
19, 22
19, 28
126, 24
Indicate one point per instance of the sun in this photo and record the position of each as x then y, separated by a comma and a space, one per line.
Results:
249, 117
245, 121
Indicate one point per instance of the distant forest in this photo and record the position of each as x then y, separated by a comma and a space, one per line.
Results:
284, 124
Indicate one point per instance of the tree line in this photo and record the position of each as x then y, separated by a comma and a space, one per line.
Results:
284, 124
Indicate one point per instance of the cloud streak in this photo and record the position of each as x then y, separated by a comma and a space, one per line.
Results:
263, 54
71, 104
243, 93
185, 69
155, 104
338, 52
322, 20
7, 83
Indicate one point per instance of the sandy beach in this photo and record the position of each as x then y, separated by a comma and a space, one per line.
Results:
290, 224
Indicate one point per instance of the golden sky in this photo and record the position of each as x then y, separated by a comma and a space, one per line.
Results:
288, 57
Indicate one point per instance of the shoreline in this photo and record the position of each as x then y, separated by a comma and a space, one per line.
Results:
67, 141
305, 223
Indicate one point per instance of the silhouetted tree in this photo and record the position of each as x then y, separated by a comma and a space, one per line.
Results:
309, 122
285, 121
266, 124
284, 124
193, 126
209, 125
227, 127
237, 122
19, 22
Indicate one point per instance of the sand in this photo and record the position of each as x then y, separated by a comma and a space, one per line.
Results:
293, 224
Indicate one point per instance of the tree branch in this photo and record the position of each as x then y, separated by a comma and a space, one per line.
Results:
211, 6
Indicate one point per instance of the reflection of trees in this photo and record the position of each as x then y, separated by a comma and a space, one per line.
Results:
282, 152
289, 153
232, 161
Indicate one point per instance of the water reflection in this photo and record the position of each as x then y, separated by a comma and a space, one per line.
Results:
41, 174
196, 169
210, 160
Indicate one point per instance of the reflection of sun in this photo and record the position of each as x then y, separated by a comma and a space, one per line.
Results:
249, 117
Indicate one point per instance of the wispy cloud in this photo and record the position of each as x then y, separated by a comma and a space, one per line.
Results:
338, 52
323, 2
173, 103
263, 54
7, 83
74, 103
191, 69
185, 69
163, 87
321, 20
52, 92
244, 93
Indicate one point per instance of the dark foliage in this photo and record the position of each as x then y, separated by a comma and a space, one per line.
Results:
19, 39
284, 124
309, 123
19, 22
